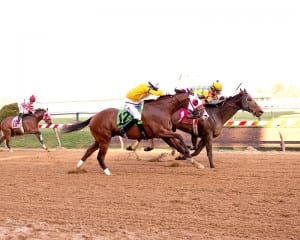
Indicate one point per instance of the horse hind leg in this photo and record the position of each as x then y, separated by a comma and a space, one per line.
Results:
100, 157
7, 141
87, 154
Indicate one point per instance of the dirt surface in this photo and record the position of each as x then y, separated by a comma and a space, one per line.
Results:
249, 195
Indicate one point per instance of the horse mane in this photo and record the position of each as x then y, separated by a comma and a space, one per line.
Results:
221, 102
177, 90
40, 110
218, 104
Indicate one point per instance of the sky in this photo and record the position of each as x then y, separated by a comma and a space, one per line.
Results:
82, 50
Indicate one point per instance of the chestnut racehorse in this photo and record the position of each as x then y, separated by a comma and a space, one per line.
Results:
30, 126
156, 118
211, 128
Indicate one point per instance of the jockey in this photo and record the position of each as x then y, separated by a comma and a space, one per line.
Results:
133, 102
26, 107
211, 93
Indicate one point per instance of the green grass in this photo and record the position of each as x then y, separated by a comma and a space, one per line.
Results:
83, 138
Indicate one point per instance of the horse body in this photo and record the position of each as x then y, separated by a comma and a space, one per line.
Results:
29, 124
218, 115
156, 119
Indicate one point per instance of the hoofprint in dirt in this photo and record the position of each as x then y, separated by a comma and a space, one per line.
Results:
249, 195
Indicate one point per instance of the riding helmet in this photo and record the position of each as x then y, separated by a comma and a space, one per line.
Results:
32, 98
217, 85
154, 86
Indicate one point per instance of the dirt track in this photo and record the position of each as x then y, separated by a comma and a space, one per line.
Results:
249, 195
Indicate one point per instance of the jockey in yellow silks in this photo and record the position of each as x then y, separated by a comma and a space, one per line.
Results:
209, 94
133, 102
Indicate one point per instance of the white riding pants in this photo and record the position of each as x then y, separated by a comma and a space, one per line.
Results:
133, 109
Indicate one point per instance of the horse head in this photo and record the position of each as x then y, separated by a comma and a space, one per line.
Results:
43, 114
249, 104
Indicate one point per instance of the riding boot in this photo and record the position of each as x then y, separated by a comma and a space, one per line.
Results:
127, 126
20, 117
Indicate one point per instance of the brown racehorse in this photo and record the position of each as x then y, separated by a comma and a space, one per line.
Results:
219, 114
156, 117
30, 126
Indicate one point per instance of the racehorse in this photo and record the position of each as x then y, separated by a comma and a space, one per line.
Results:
156, 118
30, 126
211, 128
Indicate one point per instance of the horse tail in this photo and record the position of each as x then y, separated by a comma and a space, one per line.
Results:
76, 126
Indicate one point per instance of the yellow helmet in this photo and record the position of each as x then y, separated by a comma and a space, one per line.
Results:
217, 85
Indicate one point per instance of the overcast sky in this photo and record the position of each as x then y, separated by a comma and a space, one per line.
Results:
77, 50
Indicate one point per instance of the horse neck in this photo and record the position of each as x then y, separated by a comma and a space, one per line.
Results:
178, 101
172, 103
228, 110
39, 115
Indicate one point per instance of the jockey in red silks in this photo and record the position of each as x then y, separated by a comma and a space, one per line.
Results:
26, 106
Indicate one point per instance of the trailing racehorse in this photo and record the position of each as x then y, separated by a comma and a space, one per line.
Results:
11, 128
211, 128
156, 119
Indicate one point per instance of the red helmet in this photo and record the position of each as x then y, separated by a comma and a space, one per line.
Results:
32, 98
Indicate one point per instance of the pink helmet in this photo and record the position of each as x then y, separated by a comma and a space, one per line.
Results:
32, 98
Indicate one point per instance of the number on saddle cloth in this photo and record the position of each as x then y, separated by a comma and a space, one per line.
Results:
15, 123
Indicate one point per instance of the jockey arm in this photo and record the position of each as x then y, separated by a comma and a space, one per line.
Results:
25, 107
157, 92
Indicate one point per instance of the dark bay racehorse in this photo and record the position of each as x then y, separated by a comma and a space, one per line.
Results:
218, 115
30, 126
156, 119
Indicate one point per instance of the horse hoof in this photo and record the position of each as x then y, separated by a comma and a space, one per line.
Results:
180, 158
199, 165
129, 148
148, 149
107, 172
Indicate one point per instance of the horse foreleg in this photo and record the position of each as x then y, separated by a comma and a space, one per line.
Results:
199, 147
194, 139
87, 153
6, 136
39, 136
175, 144
209, 151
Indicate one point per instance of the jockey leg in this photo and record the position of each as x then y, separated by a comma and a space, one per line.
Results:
127, 126
20, 117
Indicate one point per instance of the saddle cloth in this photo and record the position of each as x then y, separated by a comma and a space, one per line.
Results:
123, 117
183, 117
15, 123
